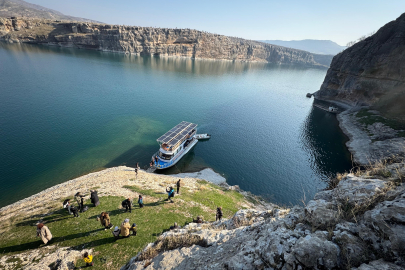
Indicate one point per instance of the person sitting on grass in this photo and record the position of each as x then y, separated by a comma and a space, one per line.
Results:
88, 259
170, 193
198, 220
140, 201
125, 227
116, 232
44, 232
105, 220
175, 226
133, 229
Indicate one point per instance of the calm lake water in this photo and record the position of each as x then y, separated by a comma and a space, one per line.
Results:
66, 112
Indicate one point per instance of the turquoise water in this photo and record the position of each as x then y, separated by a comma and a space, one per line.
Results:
66, 112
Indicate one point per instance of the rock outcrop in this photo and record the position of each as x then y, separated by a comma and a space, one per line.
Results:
153, 41
371, 70
357, 225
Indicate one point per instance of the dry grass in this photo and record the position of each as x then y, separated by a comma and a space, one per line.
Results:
170, 243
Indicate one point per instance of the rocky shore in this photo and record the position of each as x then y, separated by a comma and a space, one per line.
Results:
356, 224
370, 140
152, 41
359, 224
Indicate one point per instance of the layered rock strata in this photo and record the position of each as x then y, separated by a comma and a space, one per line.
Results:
370, 69
357, 225
153, 41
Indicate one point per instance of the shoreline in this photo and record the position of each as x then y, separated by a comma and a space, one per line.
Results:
108, 182
368, 143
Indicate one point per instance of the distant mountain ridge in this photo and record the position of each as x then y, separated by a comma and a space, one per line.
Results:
310, 45
20, 8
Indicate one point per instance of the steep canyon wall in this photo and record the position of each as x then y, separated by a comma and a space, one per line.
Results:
152, 41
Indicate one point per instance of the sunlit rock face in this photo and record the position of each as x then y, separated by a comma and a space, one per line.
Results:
153, 41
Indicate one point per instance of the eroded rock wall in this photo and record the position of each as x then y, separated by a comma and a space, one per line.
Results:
153, 41
370, 69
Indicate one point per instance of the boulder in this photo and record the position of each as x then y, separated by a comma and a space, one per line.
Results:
315, 253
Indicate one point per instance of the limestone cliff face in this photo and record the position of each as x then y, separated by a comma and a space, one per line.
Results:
370, 70
153, 41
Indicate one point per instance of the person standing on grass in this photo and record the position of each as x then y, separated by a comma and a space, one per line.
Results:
94, 198
170, 194
125, 227
88, 259
140, 201
136, 171
219, 214
80, 201
44, 232
178, 186
127, 205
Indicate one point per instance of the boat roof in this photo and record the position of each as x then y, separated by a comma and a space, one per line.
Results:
177, 134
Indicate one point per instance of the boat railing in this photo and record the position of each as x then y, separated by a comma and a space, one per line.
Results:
167, 164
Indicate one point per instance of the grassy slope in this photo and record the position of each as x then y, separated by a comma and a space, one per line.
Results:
155, 218
368, 118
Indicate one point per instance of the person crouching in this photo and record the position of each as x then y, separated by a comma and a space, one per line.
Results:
44, 232
88, 259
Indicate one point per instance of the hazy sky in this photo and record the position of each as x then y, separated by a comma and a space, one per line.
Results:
340, 21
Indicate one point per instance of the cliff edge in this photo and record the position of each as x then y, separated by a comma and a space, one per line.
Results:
152, 41
358, 224
371, 72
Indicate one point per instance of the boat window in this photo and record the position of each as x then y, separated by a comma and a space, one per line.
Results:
164, 156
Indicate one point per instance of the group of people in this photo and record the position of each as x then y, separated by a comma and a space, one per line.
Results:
125, 230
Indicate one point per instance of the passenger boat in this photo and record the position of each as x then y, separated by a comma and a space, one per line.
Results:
174, 144
330, 109
202, 136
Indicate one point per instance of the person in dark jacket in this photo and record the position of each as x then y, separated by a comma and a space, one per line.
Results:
127, 205
219, 213
178, 186
140, 201
170, 194
75, 211
94, 198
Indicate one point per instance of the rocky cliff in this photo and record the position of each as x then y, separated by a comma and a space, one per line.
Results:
153, 41
359, 224
371, 72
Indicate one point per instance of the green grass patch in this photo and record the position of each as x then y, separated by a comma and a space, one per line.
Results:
86, 232
368, 118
